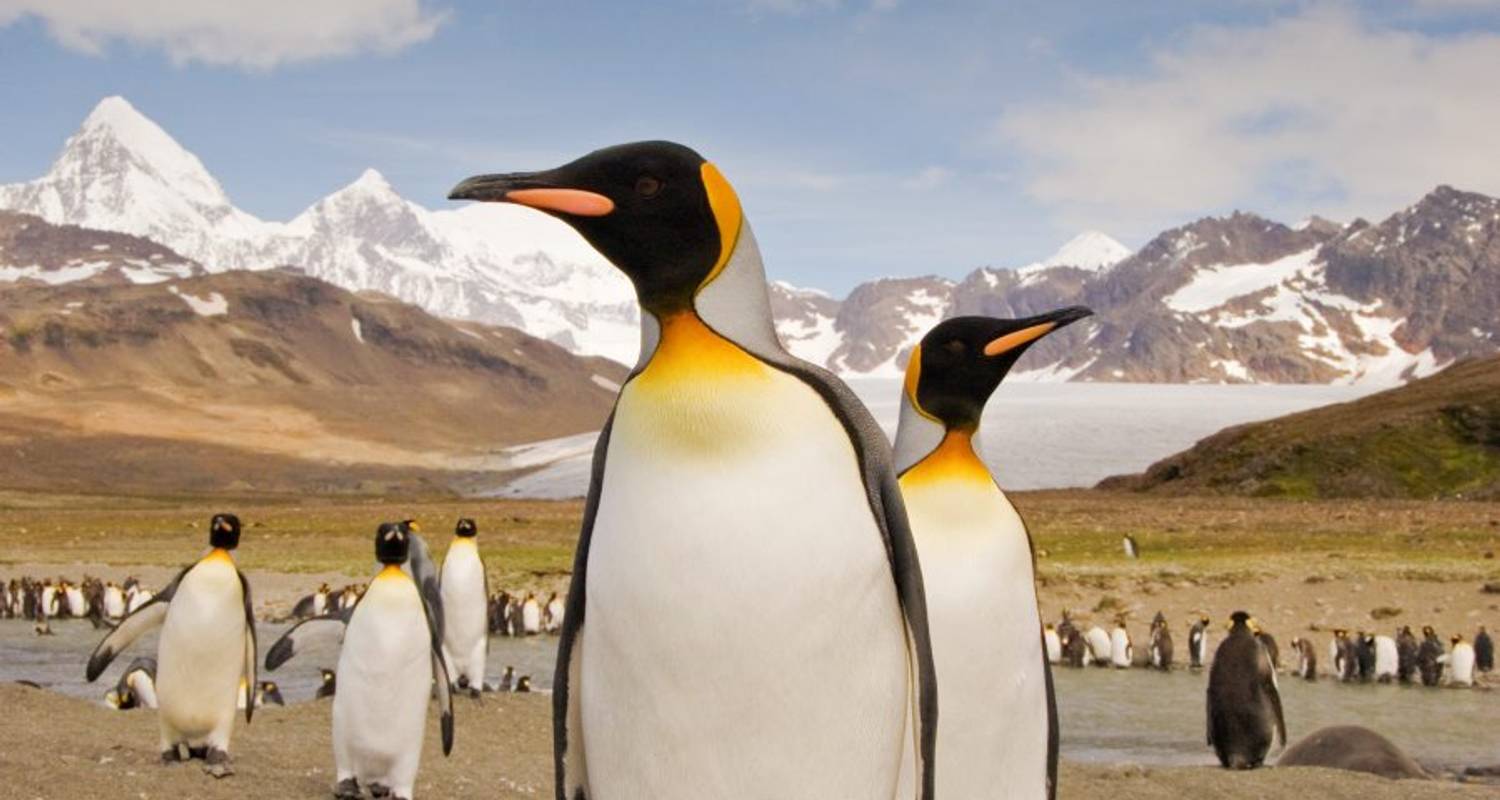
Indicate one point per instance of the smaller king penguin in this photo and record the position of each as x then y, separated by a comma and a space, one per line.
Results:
1244, 701
998, 726
390, 664
205, 654
465, 591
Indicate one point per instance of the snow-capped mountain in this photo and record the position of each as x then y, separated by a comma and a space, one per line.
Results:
1237, 298
1223, 299
494, 264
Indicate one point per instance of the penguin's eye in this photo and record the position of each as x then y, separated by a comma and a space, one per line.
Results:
955, 347
647, 186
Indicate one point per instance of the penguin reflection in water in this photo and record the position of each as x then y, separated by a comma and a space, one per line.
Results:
1244, 701
727, 465
998, 727
391, 660
205, 653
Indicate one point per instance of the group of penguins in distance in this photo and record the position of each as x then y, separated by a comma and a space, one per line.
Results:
510, 613
754, 495
1362, 658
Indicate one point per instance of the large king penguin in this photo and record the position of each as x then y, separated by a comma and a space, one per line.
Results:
727, 467
998, 729
465, 592
1244, 700
205, 654
391, 663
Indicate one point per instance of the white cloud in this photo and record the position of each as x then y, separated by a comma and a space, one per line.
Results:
1320, 111
255, 35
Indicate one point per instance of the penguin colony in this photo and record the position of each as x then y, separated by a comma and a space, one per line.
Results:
903, 575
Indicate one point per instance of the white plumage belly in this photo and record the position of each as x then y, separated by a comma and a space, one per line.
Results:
465, 609
986, 640
742, 635
384, 679
201, 654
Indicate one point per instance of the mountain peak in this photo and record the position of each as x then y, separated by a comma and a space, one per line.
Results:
116, 137
1090, 250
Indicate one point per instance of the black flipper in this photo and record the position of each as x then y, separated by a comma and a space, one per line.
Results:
143, 619
251, 676
291, 642
568, 765
1053, 733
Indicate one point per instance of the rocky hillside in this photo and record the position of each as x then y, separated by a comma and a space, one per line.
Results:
1435, 437
1224, 299
256, 380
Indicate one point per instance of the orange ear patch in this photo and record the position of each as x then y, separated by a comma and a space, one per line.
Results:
725, 205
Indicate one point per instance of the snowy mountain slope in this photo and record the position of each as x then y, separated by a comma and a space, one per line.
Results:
499, 265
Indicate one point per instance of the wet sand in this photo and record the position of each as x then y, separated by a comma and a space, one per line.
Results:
64, 747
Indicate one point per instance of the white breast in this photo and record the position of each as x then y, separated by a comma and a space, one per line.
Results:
1461, 664
982, 610
742, 635
201, 653
1386, 657
465, 607
384, 679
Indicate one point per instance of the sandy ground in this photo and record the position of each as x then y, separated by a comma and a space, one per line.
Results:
56, 747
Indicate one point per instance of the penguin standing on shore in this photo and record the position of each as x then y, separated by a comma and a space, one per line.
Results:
1387, 659
1052, 644
1198, 643
1407, 649
1101, 646
1460, 662
390, 665
1307, 658
1121, 648
1161, 644
206, 650
1244, 702
465, 590
727, 466
1343, 654
999, 723
1484, 651
1430, 657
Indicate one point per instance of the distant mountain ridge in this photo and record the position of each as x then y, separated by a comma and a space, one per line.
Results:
1222, 299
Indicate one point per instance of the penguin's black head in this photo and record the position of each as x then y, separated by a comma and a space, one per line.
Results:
1239, 618
393, 541
466, 528
657, 210
224, 531
327, 674
271, 693
958, 364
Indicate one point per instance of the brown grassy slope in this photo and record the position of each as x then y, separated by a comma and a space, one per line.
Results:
120, 388
1436, 437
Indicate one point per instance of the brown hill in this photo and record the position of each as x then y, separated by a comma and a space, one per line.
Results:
1435, 437
266, 381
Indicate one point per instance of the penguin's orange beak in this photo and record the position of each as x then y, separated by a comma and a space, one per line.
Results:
535, 190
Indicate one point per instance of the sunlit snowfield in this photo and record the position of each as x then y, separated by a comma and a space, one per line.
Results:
1035, 435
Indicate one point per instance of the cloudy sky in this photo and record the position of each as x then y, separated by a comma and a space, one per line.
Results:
866, 137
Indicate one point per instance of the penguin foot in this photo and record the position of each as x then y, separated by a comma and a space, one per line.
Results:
200, 753
172, 756
216, 763
379, 791
347, 789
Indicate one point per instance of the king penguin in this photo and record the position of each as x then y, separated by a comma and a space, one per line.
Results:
390, 665
206, 651
1244, 701
727, 466
466, 592
998, 728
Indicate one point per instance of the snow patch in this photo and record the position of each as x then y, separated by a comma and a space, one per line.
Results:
605, 383
212, 306
1213, 286
359, 330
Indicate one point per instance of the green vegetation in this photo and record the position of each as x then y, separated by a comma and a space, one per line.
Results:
1077, 534
1434, 438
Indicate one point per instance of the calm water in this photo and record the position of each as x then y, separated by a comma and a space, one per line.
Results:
57, 661
1035, 435
1107, 715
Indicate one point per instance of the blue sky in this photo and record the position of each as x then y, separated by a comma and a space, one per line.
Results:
891, 137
